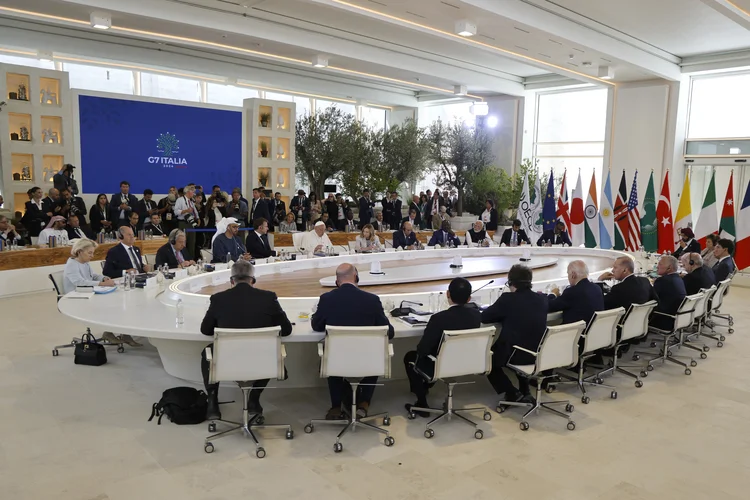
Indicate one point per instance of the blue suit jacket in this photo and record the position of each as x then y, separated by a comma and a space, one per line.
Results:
349, 306
118, 260
723, 269
400, 240
440, 237
549, 235
114, 208
578, 302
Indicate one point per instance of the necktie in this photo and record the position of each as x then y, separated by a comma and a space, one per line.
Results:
515, 237
138, 266
180, 260
78, 232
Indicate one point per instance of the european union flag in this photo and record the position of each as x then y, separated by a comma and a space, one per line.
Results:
548, 212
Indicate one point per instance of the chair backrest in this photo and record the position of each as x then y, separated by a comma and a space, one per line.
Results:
356, 351
686, 311
465, 352
297, 240
57, 281
559, 346
635, 322
702, 304
721, 290
601, 331
246, 354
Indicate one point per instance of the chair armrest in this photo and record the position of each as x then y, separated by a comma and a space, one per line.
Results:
320, 349
390, 349
665, 314
283, 351
525, 350
433, 358
209, 355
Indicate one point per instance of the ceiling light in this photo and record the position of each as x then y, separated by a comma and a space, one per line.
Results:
101, 21
465, 28
606, 72
44, 55
459, 89
320, 61
479, 109
492, 121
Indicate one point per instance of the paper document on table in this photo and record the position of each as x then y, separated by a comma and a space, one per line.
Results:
104, 289
79, 295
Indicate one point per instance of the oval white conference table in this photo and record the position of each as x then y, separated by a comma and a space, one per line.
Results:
151, 312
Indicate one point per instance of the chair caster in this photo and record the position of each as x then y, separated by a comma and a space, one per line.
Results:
389, 441
429, 433
638, 384
120, 349
722, 338
208, 448
636, 357
290, 434
55, 352
386, 421
338, 447
487, 416
259, 420
524, 426
501, 408
693, 363
569, 407
411, 415
598, 380
687, 371
704, 355
585, 400
551, 388
731, 322
613, 394
731, 330
309, 428
650, 368
653, 344
212, 427
720, 344
478, 434
571, 426
260, 453
644, 373
706, 348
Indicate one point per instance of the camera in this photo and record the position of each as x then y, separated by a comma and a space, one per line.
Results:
190, 219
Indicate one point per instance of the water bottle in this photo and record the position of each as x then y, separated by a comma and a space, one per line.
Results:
180, 312
132, 280
126, 281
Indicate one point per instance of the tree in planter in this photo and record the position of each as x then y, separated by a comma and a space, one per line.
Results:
365, 162
404, 156
457, 153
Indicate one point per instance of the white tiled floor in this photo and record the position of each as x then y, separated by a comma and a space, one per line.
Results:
72, 432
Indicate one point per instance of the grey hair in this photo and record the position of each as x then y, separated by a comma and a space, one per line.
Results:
121, 231
188, 188
627, 263
580, 268
80, 245
697, 259
243, 270
174, 234
672, 260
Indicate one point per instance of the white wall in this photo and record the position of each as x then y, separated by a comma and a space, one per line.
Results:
507, 110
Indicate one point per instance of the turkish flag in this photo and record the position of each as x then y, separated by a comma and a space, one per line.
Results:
665, 234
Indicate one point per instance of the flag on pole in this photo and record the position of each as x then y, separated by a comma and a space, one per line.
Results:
529, 211
621, 215
577, 215
606, 217
664, 216
684, 216
548, 212
726, 225
648, 221
708, 218
742, 250
633, 235
592, 216
563, 208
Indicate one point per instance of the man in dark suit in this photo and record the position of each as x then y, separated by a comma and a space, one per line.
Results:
723, 251
459, 316
51, 203
155, 226
698, 276
395, 210
147, 207
379, 224
125, 256
259, 208
257, 240
444, 236
242, 306
75, 230
433, 210
581, 299
414, 205
412, 218
687, 243
630, 290
300, 205
523, 315
72, 205
515, 235
670, 290
173, 253
134, 222
278, 211
405, 238
122, 204
365, 208
557, 236
347, 305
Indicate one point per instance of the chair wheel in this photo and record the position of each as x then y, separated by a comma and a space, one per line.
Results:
722, 338
653, 344
731, 322
550, 388
429, 433
569, 407
720, 344
478, 434
259, 420
309, 428
208, 448
585, 400
260, 453
731, 330
636, 357
338, 447
687, 371
638, 384
212, 427
613, 394
411, 415
55, 352
524, 426
487, 416
571, 426
704, 355
693, 363
120, 349
706, 348
650, 368
599, 380
290, 434
644, 373
501, 408
389, 441
386, 421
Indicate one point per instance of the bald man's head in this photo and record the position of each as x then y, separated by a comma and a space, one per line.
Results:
346, 273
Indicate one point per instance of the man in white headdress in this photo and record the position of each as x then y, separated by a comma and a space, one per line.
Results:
55, 227
317, 239
226, 242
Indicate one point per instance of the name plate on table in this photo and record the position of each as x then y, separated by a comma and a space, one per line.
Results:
151, 282
390, 249
220, 266
302, 256
180, 274
195, 286
217, 279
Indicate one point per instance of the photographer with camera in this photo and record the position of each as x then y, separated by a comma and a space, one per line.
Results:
238, 208
216, 207
187, 216
72, 205
166, 208
64, 179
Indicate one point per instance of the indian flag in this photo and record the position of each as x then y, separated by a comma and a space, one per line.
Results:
606, 217
684, 216
708, 218
592, 216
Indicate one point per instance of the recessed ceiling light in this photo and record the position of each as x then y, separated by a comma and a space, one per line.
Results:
606, 72
320, 61
101, 20
586, 64
465, 27
459, 89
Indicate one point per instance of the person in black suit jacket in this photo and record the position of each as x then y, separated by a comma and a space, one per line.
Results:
414, 205
155, 226
35, 218
515, 235
459, 316
134, 222
557, 236
72, 205
698, 276
125, 256
444, 236
257, 240
173, 253
242, 306
347, 305
75, 230
723, 251
300, 206
670, 290
51, 203
523, 315
432, 211
365, 208
687, 243
121, 205
581, 299
258, 208
99, 215
412, 218
395, 210
405, 238
489, 216
147, 207
630, 290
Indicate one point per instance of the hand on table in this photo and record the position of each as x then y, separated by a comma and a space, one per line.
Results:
107, 282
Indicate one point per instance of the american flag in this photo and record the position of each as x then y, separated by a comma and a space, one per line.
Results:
633, 236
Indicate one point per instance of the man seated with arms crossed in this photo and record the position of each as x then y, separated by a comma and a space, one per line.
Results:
723, 251
75, 231
514, 235
316, 241
257, 240
458, 316
698, 276
125, 256
155, 226
477, 235
8, 231
556, 236
581, 299
242, 306
405, 238
523, 315
347, 305
670, 290
226, 244
444, 236
173, 253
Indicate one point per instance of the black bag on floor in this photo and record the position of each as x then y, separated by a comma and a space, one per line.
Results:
89, 352
182, 405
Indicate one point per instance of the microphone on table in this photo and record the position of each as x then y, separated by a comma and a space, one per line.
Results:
483, 286
405, 311
346, 249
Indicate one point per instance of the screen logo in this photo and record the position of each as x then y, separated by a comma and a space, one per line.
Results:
168, 145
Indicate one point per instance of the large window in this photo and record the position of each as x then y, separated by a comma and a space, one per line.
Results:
448, 113
303, 106
228, 95
278, 97
119, 81
26, 61
321, 104
374, 117
719, 106
169, 87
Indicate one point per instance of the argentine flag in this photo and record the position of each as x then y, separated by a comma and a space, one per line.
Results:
606, 217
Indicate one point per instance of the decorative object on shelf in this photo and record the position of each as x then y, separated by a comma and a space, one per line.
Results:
14, 136
265, 119
24, 133
280, 181
16, 176
13, 96
50, 137
280, 151
263, 176
48, 97
25, 173
48, 173
280, 121
22, 93
264, 149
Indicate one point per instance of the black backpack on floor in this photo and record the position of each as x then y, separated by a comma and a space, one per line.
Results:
182, 405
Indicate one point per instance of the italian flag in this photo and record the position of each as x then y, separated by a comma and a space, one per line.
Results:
726, 225
708, 217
